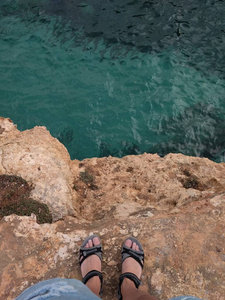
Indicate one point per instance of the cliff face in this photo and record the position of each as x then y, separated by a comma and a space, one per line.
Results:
175, 205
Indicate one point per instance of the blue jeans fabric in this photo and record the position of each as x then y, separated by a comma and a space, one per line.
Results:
66, 289
58, 289
185, 298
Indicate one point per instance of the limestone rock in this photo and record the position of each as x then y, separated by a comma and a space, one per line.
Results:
41, 160
174, 205
144, 184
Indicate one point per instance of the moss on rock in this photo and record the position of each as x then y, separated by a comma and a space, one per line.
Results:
15, 199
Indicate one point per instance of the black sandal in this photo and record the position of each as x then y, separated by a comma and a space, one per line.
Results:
85, 253
138, 256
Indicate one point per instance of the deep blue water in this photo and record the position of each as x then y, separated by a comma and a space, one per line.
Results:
107, 78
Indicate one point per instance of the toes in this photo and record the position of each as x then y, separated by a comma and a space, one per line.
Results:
86, 246
96, 241
93, 242
135, 247
132, 245
128, 243
90, 244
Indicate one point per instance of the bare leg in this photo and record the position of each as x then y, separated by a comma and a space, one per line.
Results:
128, 289
93, 262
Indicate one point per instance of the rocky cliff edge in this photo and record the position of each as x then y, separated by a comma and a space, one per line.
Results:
175, 205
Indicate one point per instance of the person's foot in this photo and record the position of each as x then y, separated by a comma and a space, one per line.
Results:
128, 289
92, 262
130, 265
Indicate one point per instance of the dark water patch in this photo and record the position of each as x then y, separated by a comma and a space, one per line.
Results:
126, 148
66, 137
196, 28
198, 131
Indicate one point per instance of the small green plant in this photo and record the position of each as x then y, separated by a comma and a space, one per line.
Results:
191, 183
186, 172
86, 177
25, 207
75, 187
15, 199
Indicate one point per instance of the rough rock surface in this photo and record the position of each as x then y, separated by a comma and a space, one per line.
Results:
41, 160
175, 205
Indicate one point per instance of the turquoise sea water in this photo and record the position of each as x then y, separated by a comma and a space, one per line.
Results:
114, 79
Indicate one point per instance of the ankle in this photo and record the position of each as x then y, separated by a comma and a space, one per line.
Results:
94, 284
127, 285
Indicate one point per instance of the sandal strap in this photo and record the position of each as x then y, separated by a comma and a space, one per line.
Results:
137, 255
130, 276
86, 252
91, 274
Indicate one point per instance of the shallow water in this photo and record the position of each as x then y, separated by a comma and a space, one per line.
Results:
112, 79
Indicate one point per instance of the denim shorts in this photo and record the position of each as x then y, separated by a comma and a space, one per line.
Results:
66, 289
